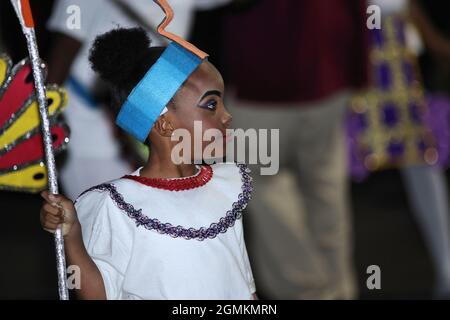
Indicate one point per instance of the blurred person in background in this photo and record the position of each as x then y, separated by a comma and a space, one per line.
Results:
396, 125
293, 66
432, 21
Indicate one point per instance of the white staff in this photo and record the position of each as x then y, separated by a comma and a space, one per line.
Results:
23, 11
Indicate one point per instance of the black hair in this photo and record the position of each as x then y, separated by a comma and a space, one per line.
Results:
122, 57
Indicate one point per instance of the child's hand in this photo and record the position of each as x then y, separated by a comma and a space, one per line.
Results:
57, 210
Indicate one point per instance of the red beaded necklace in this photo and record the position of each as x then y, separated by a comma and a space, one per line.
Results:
177, 184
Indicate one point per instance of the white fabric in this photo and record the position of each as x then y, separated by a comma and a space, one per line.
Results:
137, 263
93, 152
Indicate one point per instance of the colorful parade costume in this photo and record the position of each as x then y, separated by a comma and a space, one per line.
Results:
21, 147
179, 238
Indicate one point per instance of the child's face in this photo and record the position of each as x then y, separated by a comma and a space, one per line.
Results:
201, 99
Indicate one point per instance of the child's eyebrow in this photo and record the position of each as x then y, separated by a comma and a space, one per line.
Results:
211, 93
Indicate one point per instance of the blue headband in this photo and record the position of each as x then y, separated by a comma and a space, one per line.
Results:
152, 94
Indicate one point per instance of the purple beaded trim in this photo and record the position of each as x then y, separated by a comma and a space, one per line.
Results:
166, 228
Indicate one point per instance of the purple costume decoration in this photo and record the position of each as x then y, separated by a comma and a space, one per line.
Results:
393, 124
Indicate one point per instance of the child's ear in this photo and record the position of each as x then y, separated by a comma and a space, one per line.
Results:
163, 126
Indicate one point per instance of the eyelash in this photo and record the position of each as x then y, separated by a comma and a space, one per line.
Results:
212, 103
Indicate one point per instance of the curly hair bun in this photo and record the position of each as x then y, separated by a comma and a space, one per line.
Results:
117, 55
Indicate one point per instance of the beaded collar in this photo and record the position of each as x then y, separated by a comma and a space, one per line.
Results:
203, 233
202, 177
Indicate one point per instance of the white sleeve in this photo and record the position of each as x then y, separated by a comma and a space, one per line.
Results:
108, 247
65, 13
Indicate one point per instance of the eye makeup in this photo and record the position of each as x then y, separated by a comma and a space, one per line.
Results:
210, 104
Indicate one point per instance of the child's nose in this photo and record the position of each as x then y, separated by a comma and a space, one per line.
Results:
227, 119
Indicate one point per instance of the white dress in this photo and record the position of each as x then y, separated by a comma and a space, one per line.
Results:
138, 262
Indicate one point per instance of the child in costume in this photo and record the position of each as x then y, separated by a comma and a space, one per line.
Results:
166, 231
